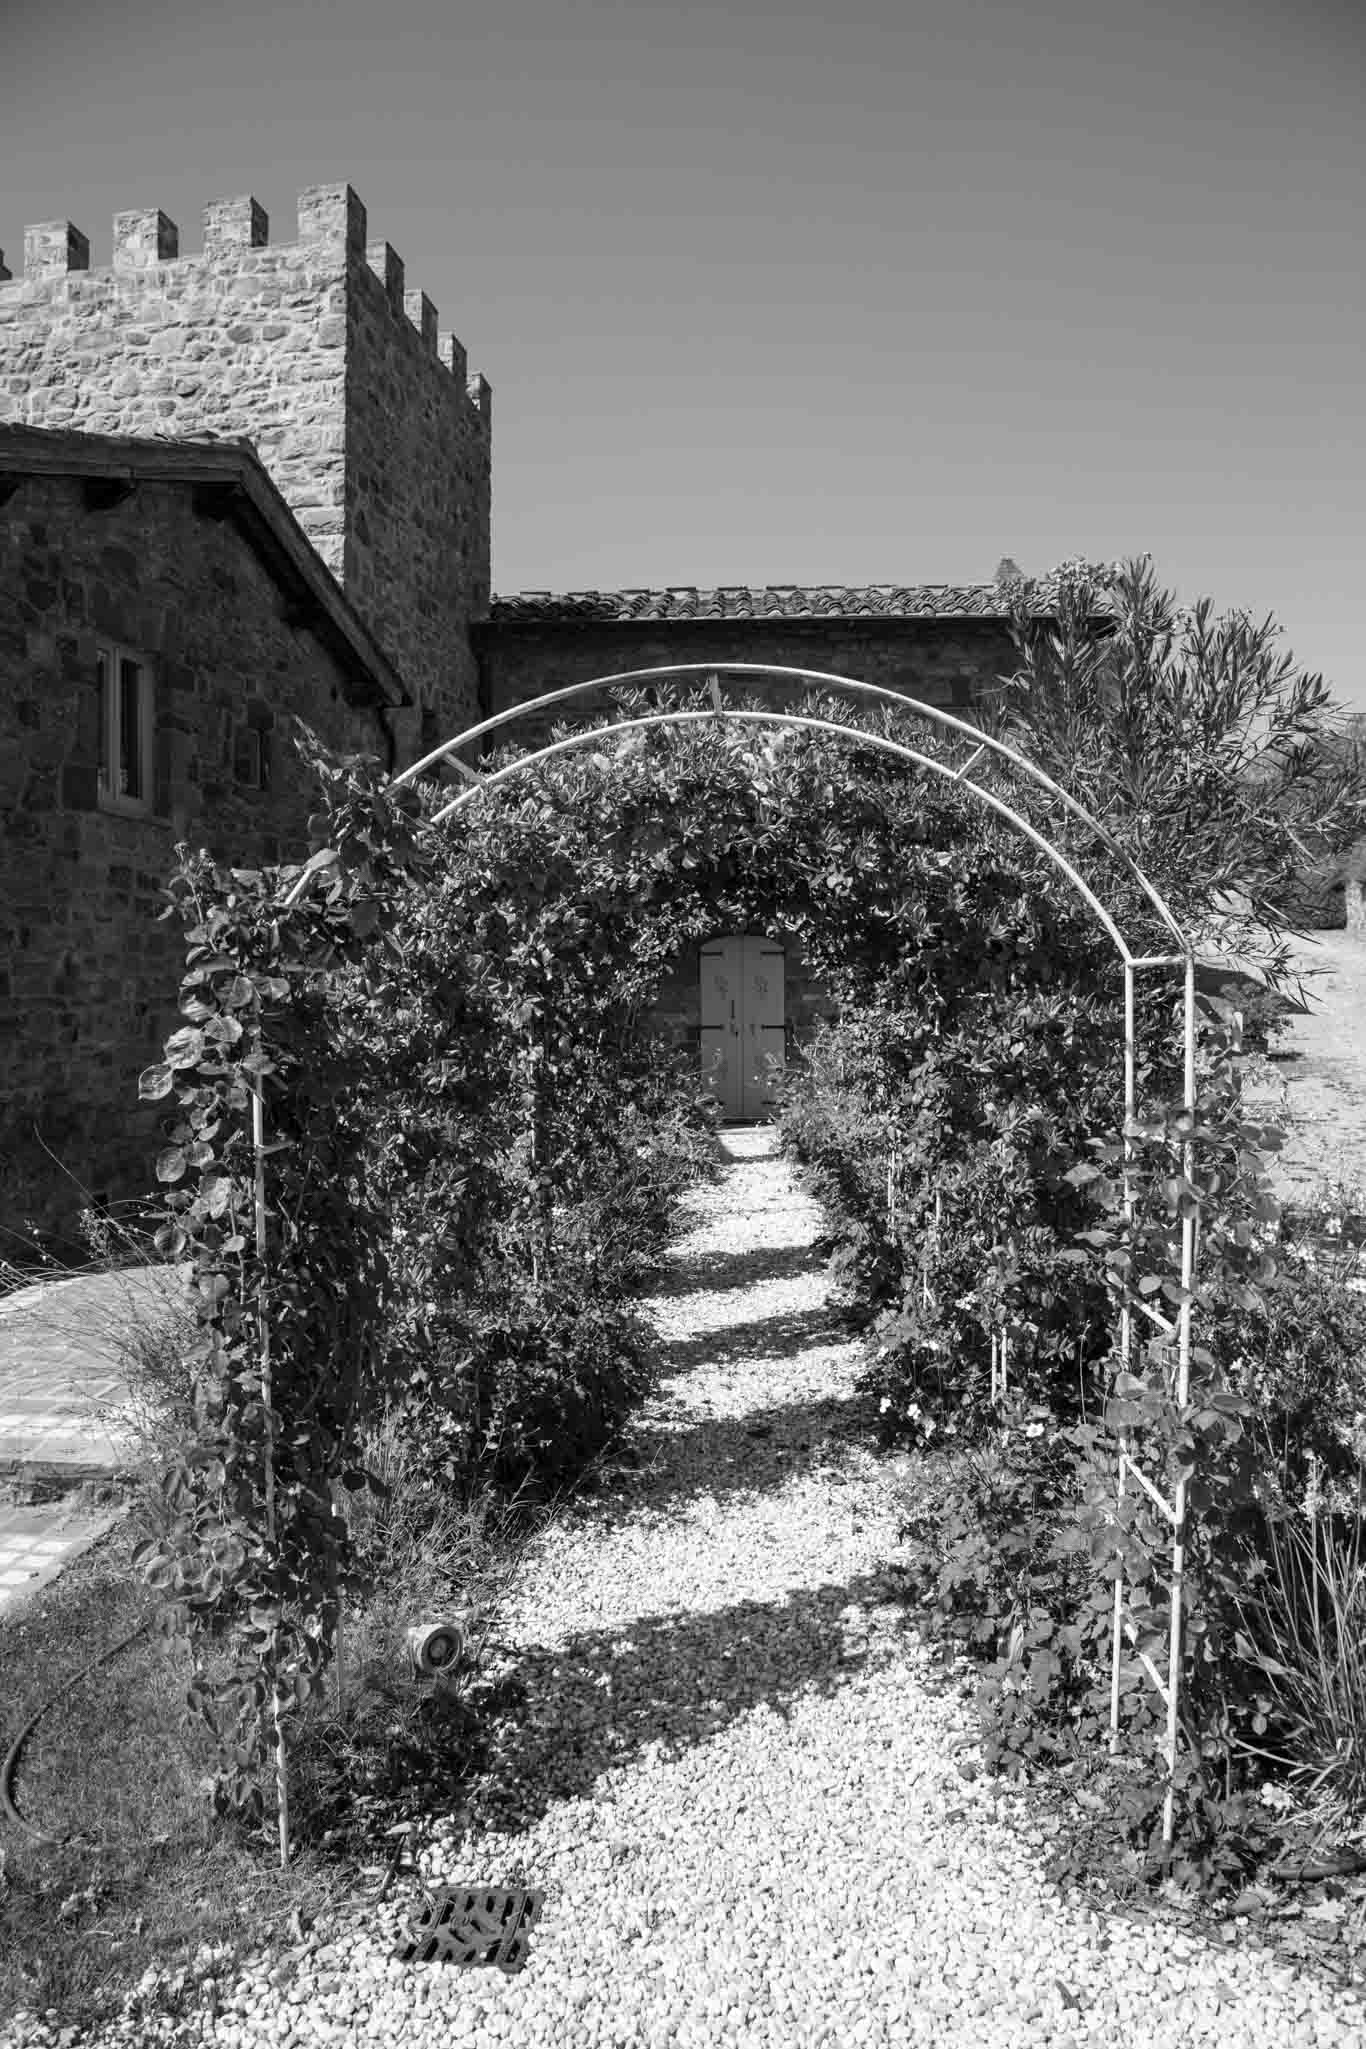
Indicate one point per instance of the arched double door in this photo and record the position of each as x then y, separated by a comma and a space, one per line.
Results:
742, 1022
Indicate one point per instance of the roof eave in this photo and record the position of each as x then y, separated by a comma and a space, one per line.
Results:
227, 481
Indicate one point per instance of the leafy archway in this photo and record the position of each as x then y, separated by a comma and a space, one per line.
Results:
979, 745
271, 1256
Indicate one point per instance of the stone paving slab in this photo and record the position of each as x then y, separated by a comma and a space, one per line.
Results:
63, 1389
36, 1542
63, 1410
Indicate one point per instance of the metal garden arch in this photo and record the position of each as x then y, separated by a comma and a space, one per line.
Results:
1182, 956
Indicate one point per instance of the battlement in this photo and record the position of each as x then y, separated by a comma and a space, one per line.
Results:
321, 354
330, 217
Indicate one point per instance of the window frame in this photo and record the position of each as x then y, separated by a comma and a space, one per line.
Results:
251, 759
110, 657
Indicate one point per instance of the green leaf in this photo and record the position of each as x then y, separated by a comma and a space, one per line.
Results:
216, 1196
156, 1082
1122, 1415
185, 1048
171, 1164
223, 1031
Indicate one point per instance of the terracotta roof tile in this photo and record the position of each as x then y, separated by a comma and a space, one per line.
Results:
742, 601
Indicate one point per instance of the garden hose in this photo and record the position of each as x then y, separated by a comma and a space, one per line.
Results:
15, 1751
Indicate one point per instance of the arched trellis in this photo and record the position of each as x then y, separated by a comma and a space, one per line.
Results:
982, 744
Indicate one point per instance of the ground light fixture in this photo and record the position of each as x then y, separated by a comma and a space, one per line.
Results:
435, 1647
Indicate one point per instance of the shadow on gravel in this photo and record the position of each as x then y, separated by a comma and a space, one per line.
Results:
766, 1337
751, 1454
669, 1681
703, 1271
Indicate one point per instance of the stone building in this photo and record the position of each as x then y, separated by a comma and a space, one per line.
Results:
161, 613
316, 352
252, 482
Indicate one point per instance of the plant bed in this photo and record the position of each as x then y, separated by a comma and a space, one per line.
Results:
150, 1881
1281, 1869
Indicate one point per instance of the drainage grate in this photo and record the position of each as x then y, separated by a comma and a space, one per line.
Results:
484, 1925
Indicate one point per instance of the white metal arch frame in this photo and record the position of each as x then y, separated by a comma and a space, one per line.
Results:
1183, 956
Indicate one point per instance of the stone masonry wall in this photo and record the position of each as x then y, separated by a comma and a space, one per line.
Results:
369, 432
88, 978
417, 490
945, 663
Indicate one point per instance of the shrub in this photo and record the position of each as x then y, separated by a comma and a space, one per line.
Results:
986, 1564
1303, 1642
1015, 1558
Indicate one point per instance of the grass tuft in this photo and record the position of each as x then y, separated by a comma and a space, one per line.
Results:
1304, 1632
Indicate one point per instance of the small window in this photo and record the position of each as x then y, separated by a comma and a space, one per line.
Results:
126, 727
251, 769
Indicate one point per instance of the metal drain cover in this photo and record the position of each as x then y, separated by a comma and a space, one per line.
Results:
474, 1925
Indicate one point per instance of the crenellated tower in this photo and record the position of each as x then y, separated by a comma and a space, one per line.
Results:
317, 353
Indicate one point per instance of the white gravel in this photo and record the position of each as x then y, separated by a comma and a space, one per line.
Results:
742, 1801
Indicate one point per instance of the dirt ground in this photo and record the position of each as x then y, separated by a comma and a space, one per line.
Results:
1318, 1090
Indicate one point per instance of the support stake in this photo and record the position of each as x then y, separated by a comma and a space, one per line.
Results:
258, 1135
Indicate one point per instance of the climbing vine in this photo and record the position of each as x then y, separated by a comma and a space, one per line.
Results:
441, 1034
967, 1142
291, 1283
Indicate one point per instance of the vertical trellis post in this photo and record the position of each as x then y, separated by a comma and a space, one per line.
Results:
258, 1137
1173, 1511
1000, 1364
1126, 1338
1189, 1223
925, 1269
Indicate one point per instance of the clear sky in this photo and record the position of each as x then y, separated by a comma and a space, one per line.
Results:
872, 291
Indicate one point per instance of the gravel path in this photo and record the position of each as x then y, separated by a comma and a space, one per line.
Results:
742, 1800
